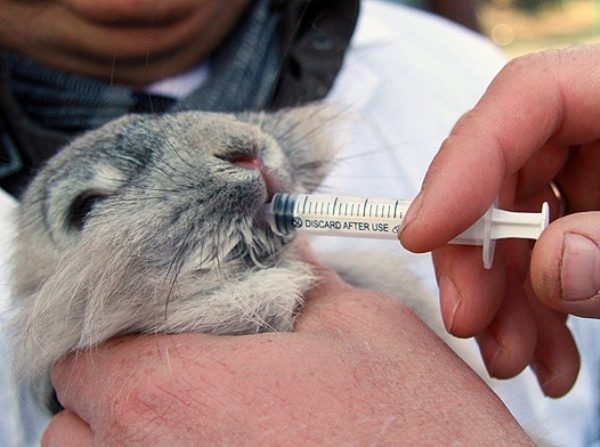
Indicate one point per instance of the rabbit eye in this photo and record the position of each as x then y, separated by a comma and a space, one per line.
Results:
81, 207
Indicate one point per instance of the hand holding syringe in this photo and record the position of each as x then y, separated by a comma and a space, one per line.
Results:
381, 218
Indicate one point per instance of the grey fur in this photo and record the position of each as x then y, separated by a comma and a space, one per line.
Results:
179, 243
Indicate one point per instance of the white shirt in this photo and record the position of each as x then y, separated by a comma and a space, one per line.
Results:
20, 421
407, 78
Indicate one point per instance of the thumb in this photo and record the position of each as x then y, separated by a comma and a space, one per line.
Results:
565, 265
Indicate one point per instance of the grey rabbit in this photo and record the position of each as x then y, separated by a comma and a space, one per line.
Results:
156, 224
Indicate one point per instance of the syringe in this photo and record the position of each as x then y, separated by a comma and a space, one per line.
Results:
335, 215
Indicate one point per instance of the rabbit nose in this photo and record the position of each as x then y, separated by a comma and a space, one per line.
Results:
242, 159
246, 161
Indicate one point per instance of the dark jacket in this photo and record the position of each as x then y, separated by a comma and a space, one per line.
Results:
314, 37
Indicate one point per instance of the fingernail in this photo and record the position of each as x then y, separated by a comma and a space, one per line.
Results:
413, 212
450, 301
493, 364
579, 268
491, 352
544, 377
540, 371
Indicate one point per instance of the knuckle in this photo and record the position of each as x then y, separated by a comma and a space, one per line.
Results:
523, 66
543, 68
134, 410
148, 410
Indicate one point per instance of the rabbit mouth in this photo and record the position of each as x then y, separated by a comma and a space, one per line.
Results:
263, 252
263, 247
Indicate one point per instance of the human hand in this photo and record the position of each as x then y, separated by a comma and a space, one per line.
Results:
539, 122
358, 369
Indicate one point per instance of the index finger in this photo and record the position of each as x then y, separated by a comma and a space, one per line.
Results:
548, 97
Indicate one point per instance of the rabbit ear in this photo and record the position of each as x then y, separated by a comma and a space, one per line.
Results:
305, 134
97, 163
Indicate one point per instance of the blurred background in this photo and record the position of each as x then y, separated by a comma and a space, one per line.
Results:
523, 26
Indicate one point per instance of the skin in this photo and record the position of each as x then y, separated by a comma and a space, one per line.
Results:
350, 346
537, 123
133, 42
359, 369
492, 151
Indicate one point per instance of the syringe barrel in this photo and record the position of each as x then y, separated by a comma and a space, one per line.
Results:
340, 215
382, 219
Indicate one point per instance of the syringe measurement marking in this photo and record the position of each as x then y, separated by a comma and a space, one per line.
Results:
304, 204
343, 208
520, 225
